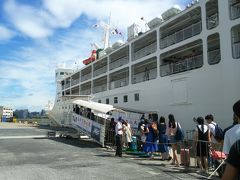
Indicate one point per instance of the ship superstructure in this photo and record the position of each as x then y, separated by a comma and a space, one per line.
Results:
187, 64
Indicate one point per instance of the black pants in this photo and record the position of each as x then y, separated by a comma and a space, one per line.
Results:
119, 145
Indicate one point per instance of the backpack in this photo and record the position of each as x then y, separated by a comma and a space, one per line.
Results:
219, 135
179, 136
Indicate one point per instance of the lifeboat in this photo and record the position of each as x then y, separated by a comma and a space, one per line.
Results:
92, 58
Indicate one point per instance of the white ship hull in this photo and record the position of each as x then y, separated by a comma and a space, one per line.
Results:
209, 39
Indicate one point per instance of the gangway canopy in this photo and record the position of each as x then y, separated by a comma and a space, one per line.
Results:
103, 108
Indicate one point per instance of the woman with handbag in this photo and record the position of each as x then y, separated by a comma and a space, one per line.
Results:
171, 132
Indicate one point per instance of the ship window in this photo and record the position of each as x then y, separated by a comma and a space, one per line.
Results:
136, 97
99, 101
214, 53
107, 101
115, 100
61, 73
125, 98
236, 41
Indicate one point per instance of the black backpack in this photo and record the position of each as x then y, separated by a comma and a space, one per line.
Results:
219, 135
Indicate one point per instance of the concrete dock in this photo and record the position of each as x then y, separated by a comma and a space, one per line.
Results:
43, 158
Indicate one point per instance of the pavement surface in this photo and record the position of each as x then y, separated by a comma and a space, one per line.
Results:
27, 157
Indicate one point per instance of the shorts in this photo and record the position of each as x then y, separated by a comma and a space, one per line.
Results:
172, 140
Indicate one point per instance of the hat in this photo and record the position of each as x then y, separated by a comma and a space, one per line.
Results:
236, 108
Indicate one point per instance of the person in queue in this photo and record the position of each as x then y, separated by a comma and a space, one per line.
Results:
163, 139
232, 170
231, 147
119, 134
233, 134
151, 139
203, 139
171, 132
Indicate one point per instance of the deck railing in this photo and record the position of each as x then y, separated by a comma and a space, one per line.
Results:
181, 35
151, 48
182, 65
100, 71
100, 88
235, 9
86, 77
118, 63
144, 76
119, 83
236, 50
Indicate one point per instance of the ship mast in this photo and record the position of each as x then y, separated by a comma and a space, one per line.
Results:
106, 28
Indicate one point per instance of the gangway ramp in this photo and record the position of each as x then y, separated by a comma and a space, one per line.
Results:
91, 118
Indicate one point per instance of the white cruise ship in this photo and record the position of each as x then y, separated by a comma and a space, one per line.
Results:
187, 64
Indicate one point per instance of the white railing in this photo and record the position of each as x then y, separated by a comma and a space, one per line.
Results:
151, 48
214, 56
67, 85
118, 63
181, 66
85, 92
143, 76
212, 21
86, 77
100, 71
100, 88
181, 35
119, 83
75, 81
236, 50
235, 9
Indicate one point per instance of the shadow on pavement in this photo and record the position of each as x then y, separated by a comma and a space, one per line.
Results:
82, 143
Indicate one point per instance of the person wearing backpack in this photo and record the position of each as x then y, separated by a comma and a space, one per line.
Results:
212, 127
216, 133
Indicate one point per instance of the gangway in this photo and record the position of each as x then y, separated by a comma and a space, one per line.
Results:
91, 118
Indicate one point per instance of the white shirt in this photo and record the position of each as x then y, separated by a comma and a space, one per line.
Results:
205, 128
212, 126
231, 136
118, 127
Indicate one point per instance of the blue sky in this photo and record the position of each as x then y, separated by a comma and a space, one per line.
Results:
37, 36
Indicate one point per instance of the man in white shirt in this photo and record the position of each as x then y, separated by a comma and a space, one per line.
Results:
119, 133
211, 124
233, 134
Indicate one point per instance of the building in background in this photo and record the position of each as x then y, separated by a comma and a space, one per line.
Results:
6, 114
21, 114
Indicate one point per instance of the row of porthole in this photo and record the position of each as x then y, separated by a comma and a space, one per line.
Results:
125, 99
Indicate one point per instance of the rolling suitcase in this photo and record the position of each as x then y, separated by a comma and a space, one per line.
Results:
185, 157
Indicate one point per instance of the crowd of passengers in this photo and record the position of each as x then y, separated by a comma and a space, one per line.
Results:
160, 136
85, 112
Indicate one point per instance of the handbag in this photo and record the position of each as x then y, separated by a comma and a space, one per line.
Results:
179, 136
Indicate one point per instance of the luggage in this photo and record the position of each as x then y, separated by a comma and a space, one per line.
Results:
185, 157
217, 155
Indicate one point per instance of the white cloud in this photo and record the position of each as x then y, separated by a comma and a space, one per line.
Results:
41, 22
28, 20
36, 72
33, 73
5, 33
